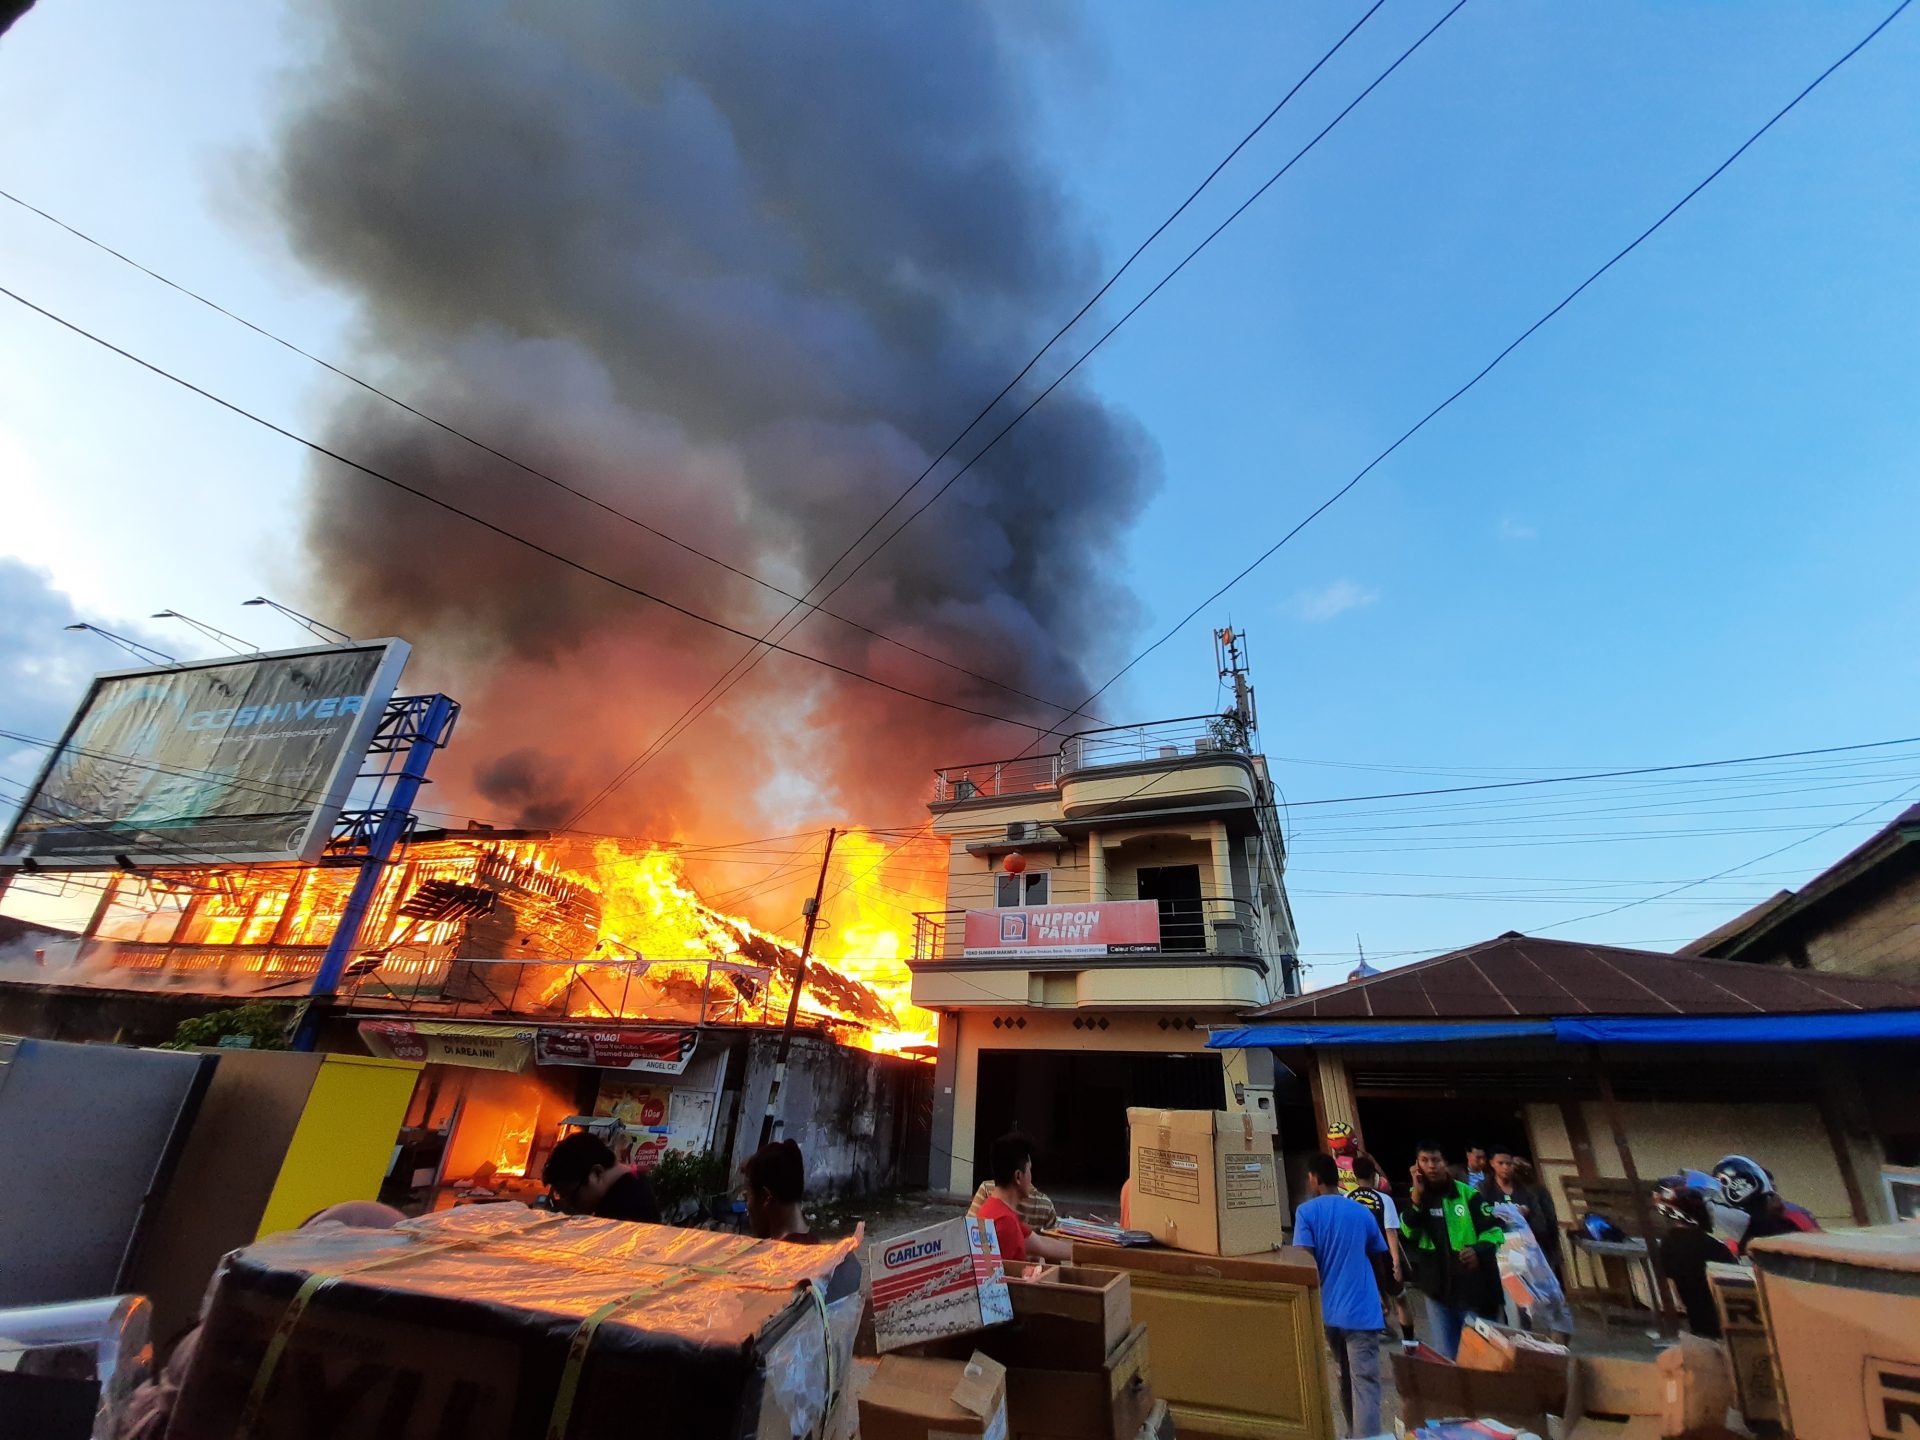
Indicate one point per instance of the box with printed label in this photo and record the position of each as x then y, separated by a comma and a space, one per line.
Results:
944, 1280
916, 1399
1736, 1296
1842, 1311
1204, 1180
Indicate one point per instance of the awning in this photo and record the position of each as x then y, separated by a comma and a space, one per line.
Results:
1790, 1029
1739, 1029
446, 1042
1281, 1036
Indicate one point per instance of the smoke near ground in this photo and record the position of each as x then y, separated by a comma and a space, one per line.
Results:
742, 270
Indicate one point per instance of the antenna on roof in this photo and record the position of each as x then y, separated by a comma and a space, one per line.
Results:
1230, 656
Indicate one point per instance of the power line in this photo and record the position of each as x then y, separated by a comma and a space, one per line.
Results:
512, 460
1513, 345
501, 530
746, 663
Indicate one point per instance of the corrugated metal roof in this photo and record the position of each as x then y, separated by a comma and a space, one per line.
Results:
1520, 976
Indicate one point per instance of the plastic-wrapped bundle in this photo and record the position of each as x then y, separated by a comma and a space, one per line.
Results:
1527, 1277
499, 1323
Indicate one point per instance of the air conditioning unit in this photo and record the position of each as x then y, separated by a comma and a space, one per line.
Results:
1021, 831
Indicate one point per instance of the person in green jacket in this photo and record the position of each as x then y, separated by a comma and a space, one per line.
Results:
1452, 1241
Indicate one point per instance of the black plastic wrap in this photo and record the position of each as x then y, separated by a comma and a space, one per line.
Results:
458, 1326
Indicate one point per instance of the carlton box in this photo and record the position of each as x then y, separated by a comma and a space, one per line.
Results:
944, 1280
1205, 1180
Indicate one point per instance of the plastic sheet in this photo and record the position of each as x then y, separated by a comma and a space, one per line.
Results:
100, 1347
496, 1321
1527, 1277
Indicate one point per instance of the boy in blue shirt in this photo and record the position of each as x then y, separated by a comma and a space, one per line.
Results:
1349, 1249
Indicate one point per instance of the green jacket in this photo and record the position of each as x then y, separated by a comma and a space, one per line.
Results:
1434, 1243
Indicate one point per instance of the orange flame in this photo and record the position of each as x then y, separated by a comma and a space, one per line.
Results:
516, 1144
651, 913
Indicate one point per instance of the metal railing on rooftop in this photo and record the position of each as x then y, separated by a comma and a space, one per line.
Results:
1192, 735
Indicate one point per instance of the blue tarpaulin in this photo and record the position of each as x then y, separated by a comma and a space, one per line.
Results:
1592, 1029
1396, 1034
1739, 1029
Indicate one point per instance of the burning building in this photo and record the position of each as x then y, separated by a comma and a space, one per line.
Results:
537, 976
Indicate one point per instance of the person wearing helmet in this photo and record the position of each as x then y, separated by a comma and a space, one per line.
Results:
1343, 1143
1745, 1185
1687, 1247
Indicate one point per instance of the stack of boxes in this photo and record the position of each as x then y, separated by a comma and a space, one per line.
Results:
1054, 1352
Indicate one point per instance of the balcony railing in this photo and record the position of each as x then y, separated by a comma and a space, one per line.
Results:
1210, 925
1193, 735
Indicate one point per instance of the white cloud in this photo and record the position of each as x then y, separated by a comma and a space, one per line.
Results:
1512, 529
1331, 600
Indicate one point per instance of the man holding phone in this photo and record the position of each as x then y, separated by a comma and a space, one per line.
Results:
1452, 1239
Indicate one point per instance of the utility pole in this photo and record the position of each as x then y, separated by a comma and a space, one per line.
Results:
770, 1124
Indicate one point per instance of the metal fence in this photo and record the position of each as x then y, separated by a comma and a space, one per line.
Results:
1193, 735
1208, 925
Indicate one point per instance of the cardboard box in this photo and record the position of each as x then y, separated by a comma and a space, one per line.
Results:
1205, 1180
1110, 1403
1072, 1321
944, 1280
1842, 1311
1486, 1346
1736, 1295
914, 1399
1431, 1390
475, 1322
1696, 1386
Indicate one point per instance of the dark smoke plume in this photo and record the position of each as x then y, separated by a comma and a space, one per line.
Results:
741, 269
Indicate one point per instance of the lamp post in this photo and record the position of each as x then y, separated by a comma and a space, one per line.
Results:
146, 654
231, 643
331, 633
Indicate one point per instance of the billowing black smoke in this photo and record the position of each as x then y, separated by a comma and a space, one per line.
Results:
741, 270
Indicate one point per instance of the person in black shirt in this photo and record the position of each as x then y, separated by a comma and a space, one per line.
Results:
584, 1179
1687, 1248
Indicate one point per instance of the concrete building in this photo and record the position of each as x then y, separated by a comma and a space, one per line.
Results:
1859, 916
1106, 904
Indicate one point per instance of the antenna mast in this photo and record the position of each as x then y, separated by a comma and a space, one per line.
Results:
1230, 655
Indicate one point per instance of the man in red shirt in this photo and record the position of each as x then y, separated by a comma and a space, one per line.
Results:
1012, 1160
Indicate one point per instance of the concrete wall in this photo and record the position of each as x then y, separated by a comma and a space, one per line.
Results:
850, 1110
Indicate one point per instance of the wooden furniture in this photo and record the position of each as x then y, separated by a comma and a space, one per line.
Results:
1238, 1350
1605, 1283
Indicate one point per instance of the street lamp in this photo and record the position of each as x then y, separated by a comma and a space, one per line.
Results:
146, 654
317, 627
232, 643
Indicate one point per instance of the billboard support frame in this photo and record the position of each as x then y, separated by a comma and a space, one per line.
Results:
425, 723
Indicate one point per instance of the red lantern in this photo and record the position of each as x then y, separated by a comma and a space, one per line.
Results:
1014, 863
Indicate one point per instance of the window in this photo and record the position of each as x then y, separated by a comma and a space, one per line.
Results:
1013, 891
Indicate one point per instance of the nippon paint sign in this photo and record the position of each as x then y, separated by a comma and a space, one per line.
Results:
1112, 927
241, 759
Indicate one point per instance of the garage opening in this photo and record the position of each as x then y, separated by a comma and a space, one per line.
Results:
1073, 1105
1392, 1129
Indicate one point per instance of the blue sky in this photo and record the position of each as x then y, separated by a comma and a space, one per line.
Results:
1677, 525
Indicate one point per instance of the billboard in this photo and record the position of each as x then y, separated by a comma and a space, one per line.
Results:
1040, 932
218, 761
661, 1052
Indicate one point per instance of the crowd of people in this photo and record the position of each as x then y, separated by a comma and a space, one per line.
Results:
1461, 1229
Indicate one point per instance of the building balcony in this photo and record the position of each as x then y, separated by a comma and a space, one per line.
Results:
1195, 762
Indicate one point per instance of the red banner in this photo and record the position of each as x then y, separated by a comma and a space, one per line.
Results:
1113, 927
659, 1052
